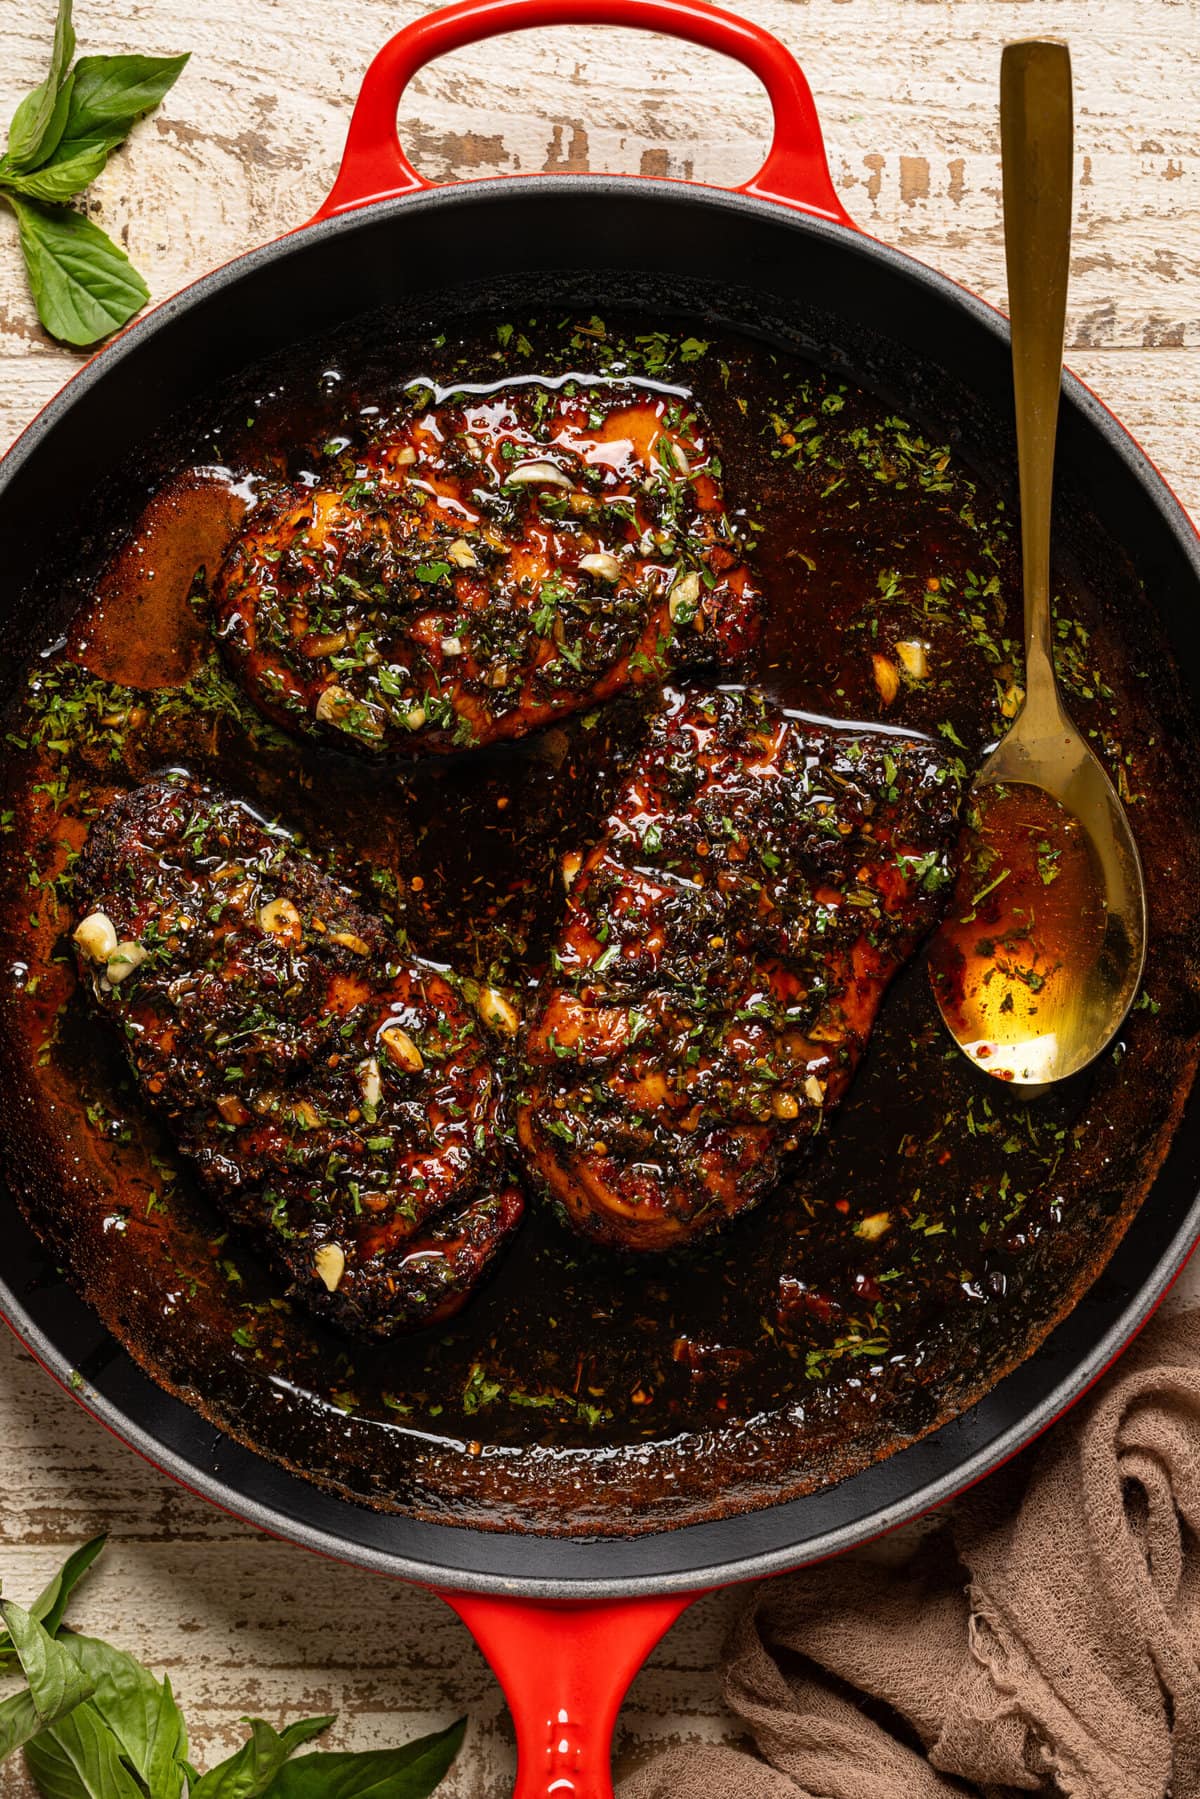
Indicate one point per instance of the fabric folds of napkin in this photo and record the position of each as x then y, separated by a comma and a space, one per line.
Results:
1044, 1639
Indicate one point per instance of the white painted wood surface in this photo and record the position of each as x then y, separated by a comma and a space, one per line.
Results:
246, 147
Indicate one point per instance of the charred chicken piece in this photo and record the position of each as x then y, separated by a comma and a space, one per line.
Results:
486, 566
334, 1093
726, 947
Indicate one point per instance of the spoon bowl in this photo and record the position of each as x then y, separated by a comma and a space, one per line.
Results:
1042, 952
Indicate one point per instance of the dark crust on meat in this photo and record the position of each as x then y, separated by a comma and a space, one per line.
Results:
725, 951
425, 597
257, 1038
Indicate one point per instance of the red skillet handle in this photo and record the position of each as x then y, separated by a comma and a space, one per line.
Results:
374, 166
564, 1670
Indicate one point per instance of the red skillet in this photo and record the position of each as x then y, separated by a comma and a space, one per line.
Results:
566, 1622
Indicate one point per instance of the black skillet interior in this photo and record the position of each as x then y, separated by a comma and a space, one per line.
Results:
893, 327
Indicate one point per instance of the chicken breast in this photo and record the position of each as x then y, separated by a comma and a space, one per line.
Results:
725, 950
489, 564
335, 1094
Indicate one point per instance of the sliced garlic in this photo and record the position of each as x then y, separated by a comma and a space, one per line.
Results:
785, 1105
600, 563
239, 896
452, 646
676, 453
371, 1082
333, 704
913, 658
537, 474
327, 643
404, 457
96, 936
279, 918
685, 597
1012, 700
329, 1265
887, 678
122, 961
496, 1011
873, 1227
414, 718
350, 941
461, 554
814, 1090
401, 1049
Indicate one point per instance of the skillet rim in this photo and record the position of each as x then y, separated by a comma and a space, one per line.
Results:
466, 1558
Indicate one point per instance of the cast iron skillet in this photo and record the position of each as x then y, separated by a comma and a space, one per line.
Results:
566, 1621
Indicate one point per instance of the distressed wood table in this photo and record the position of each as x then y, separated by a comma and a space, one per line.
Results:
246, 147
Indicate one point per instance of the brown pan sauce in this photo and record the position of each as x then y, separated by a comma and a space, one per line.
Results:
941, 1222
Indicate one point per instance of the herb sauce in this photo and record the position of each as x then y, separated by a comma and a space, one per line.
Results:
940, 1222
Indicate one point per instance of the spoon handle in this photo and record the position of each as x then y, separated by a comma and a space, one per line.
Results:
1037, 140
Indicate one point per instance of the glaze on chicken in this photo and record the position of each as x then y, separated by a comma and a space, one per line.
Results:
489, 564
725, 950
335, 1094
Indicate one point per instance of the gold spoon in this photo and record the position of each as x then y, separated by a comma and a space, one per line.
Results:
1042, 951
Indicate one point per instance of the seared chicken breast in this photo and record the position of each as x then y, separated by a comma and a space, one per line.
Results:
726, 947
335, 1094
487, 565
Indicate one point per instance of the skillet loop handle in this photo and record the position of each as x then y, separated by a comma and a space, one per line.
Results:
374, 167
565, 1669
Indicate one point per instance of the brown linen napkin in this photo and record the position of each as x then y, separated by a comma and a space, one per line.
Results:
1045, 1639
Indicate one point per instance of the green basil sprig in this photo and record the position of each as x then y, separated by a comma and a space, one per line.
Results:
61, 136
95, 1724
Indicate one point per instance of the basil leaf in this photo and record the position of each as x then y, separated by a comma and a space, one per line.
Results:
84, 286
40, 118
63, 175
111, 93
18, 1722
57, 1683
51, 135
79, 1758
101, 101
163, 1765
250, 1771
411, 1772
139, 1710
51, 1602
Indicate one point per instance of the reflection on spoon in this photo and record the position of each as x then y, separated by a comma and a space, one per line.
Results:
1018, 959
